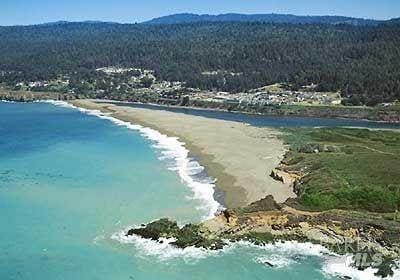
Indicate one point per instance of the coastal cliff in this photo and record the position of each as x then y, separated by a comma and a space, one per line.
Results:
266, 221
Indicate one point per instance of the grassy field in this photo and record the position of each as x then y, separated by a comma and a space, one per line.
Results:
354, 169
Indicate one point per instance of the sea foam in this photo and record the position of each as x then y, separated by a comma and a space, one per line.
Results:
174, 151
340, 266
285, 254
162, 250
279, 254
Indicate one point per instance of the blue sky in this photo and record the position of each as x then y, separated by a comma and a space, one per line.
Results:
14, 12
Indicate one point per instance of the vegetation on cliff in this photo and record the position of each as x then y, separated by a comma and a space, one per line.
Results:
341, 168
374, 239
188, 235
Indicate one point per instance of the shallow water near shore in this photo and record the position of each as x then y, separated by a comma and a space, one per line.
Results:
71, 182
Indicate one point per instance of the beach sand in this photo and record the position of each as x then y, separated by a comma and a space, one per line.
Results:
239, 156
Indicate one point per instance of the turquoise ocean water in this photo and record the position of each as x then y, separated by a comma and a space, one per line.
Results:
71, 182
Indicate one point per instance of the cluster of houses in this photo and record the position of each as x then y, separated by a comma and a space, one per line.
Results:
284, 97
131, 81
294, 97
60, 84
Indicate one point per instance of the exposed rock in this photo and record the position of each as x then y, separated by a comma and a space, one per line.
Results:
266, 204
228, 214
386, 268
268, 264
265, 221
275, 175
187, 236
156, 229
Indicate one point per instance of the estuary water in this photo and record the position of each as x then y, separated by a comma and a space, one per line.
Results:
71, 182
266, 120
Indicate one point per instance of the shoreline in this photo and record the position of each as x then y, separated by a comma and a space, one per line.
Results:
221, 160
173, 150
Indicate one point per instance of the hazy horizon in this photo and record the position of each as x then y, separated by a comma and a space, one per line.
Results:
24, 12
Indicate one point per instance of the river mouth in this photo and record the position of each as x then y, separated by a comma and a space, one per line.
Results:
263, 120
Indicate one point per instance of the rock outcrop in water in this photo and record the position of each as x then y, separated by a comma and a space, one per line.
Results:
187, 236
266, 221
275, 175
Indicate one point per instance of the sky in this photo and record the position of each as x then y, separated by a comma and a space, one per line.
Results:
24, 12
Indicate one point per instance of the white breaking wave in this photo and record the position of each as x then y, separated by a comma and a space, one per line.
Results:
287, 253
341, 266
162, 250
334, 265
172, 149
297, 248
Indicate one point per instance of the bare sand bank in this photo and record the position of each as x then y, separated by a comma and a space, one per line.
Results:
239, 156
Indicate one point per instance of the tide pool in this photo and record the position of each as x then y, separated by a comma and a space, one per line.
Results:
71, 183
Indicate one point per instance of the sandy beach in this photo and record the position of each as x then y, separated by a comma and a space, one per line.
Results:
239, 156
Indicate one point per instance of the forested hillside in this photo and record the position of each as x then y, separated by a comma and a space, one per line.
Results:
361, 61
267, 18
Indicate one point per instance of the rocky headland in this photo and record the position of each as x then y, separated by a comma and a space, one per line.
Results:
266, 221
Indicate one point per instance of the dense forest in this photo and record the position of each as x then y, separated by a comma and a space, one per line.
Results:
360, 61
268, 18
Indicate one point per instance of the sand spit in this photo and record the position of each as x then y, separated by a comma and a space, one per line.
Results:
239, 156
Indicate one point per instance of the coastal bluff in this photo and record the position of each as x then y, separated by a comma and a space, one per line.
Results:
265, 222
239, 156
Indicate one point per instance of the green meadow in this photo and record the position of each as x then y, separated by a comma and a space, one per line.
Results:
343, 168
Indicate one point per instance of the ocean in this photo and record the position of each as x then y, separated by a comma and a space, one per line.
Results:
72, 181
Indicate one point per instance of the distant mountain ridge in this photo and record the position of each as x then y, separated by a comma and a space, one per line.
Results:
271, 18
65, 22
233, 17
